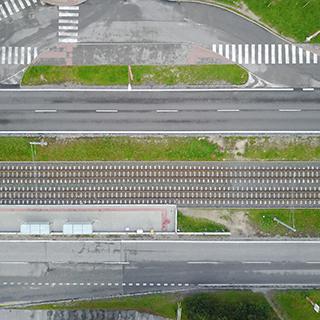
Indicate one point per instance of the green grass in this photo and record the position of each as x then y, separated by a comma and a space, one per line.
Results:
164, 305
296, 19
109, 75
111, 148
191, 224
269, 149
84, 75
228, 305
189, 75
294, 305
224, 305
307, 221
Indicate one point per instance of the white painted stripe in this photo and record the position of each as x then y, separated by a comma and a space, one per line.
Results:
294, 54
21, 4
308, 57
6, 4
68, 40
66, 21
15, 55
214, 48
107, 111
67, 34
68, 14
71, 8
246, 54
68, 27
10, 55
28, 3
35, 53
45, 111
287, 54
307, 89
253, 54
280, 53
234, 53
3, 11
203, 262
146, 90
273, 54
290, 110
3, 55
256, 262
300, 52
315, 58
259, 53
16, 9
240, 53
29, 58
227, 48
228, 110
167, 110
220, 50
266, 54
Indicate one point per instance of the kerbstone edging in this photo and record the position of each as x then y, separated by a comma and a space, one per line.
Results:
64, 2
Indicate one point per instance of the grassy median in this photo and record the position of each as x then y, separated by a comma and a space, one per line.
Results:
212, 148
297, 19
113, 75
226, 305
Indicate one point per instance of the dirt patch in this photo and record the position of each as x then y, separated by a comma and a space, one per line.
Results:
235, 220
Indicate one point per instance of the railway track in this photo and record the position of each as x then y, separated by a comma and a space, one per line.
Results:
231, 184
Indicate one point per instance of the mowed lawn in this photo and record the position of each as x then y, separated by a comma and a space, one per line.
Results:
112, 75
296, 19
293, 304
306, 222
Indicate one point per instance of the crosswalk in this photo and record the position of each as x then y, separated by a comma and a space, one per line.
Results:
17, 55
68, 24
251, 54
10, 7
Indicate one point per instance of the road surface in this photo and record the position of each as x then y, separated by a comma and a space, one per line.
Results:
136, 111
42, 271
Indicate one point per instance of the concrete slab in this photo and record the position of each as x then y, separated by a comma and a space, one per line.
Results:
104, 218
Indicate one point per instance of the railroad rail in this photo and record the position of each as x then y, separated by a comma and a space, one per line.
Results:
215, 184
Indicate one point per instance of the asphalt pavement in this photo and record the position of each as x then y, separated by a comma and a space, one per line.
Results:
42, 271
136, 111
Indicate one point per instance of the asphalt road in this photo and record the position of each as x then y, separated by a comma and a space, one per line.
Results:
41, 271
160, 111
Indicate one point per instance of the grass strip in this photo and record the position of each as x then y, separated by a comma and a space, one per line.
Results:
306, 222
293, 304
191, 224
115, 75
164, 305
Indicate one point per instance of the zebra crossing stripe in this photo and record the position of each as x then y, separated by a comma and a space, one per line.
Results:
3, 11
8, 8
14, 6
260, 53
18, 55
28, 3
21, 4
68, 25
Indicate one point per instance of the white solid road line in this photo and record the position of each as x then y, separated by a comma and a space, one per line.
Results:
290, 110
147, 90
228, 110
256, 262
107, 111
203, 262
167, 110
256, 285
45, 111
307, 89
